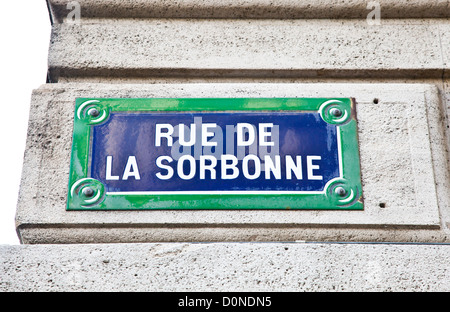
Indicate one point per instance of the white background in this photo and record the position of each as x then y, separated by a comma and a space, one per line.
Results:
25, 36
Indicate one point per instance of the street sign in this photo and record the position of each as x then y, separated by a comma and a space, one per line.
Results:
215, 153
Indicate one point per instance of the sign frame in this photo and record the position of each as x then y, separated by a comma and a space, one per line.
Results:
341, 193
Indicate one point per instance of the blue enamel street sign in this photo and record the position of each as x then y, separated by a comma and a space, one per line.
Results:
215, 154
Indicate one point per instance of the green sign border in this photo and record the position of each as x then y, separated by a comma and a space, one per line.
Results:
343, 193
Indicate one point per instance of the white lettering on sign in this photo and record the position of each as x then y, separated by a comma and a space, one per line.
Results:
160, 165
168, 135
131, 169
257, 165
257, 148
182, 134
240, 134
264, 134
192, 167
229, 162
229, 169
312, 167
253, 143
109, 175
211, 167
206, 134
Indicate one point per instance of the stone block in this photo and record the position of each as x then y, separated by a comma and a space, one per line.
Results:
261, 9
403, 161
225, 267
247, 48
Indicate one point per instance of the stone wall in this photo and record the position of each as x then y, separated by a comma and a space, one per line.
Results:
396, 66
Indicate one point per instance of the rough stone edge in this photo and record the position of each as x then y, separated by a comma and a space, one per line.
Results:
440, 151
63, 234
56, 73
262, 9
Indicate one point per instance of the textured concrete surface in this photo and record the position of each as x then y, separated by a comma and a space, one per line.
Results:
283, 9
446, 95
445, 43
412, 179
249, 48
225, 267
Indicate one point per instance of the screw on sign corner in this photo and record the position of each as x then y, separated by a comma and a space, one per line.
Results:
88, 192
341, 191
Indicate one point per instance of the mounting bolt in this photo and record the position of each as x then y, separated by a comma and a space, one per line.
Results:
88, 192
340, 191
93, 112
336, 112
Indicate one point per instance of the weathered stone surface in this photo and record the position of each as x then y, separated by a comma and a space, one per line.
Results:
403, 162
281, 9
248, 48
225, 267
